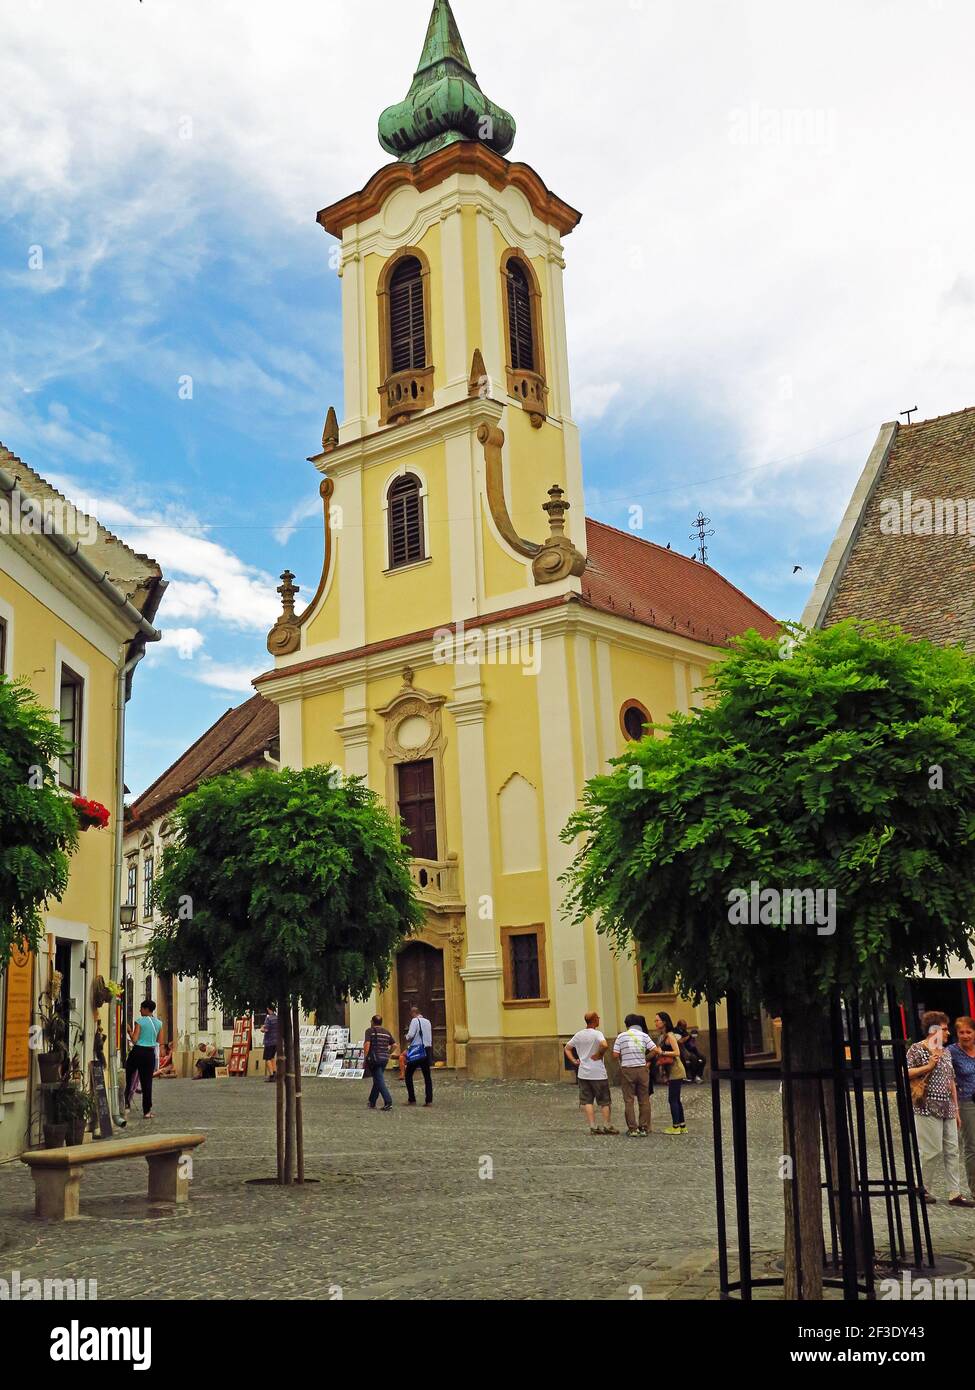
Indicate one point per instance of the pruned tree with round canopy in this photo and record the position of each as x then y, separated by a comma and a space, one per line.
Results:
840, 761
287, 887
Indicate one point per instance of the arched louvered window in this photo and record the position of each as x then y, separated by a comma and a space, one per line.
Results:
405, 512
407, 331
522, 335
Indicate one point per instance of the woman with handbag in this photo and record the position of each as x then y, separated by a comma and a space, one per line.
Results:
671, 1069
934, 1097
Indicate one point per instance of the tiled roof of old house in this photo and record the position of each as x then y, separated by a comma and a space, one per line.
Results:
238, 738
924, 583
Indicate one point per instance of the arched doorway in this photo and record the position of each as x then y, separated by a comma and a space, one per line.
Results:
419, 973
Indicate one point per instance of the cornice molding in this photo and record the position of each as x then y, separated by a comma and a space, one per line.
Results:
392, 442
462, 157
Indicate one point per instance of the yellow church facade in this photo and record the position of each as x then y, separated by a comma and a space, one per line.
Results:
477, 648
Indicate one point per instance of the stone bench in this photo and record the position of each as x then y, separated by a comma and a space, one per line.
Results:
57, 1172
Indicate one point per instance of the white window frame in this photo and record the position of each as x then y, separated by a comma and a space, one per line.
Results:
401, 472
7, 614
63, 656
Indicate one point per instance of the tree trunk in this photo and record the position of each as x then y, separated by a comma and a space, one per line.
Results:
299, 1130
289, 1093
805, 1039
279, 1086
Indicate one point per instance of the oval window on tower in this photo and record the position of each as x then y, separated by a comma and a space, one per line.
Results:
634, 719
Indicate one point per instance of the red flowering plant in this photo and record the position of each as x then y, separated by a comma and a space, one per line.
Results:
90, 813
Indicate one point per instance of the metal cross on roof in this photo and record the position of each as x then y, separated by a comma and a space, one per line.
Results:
701, 522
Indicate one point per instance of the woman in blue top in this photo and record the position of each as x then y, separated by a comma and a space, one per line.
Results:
141, 1061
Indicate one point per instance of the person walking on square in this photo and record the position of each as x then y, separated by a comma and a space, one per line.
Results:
963, 1060
141, 1061
672, 1071
586, 1050
378, 1046
419, 1053
632, 1050
270, 1028
935, 1100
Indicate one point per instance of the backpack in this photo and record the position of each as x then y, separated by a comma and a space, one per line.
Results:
379, 1045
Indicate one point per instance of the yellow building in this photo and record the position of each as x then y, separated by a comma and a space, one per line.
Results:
75, 614
476, 648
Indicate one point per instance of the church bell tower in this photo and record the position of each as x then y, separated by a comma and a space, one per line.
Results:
453, 480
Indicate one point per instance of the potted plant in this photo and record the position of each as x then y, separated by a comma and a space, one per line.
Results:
73, 1108
55, 1135
55, 1030
91, 814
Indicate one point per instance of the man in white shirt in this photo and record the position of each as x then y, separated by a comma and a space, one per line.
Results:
632, 1050
585, 1050
420, 1033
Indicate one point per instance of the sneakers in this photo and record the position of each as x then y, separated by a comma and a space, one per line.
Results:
676, 1129
386, 1107
635, 1133
609, 1129
643, 1132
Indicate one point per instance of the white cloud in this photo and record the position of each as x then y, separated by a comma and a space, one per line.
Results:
235, 679
186, 641
207, 581
592, 400
303, 511
776, 235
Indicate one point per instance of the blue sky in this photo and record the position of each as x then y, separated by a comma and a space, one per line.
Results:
775, 256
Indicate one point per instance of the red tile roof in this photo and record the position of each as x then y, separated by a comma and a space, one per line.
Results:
649, 584
625, 575
238, 738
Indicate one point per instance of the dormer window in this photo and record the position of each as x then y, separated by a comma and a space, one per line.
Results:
404, 333
523, 329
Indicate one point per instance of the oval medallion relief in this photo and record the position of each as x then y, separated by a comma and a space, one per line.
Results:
413, 732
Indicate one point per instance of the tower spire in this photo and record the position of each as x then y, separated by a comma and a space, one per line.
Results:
445, 102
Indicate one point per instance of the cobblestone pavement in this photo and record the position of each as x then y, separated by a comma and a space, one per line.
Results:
497, 1191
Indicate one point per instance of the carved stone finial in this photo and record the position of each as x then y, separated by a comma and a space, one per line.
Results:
558, 557
285, 635
556, 508
287, 589
479, 383
409, 675
330, 434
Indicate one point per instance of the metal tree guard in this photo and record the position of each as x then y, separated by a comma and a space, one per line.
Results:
865, 1062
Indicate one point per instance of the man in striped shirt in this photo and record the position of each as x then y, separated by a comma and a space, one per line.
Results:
632, 1050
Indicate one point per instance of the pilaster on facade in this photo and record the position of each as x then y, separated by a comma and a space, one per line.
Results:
482, 969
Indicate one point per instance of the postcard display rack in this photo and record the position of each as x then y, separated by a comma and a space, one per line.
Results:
240, 1048
329, 1052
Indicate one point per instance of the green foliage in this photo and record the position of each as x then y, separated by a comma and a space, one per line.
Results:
813, 765
38, 825
290, 879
